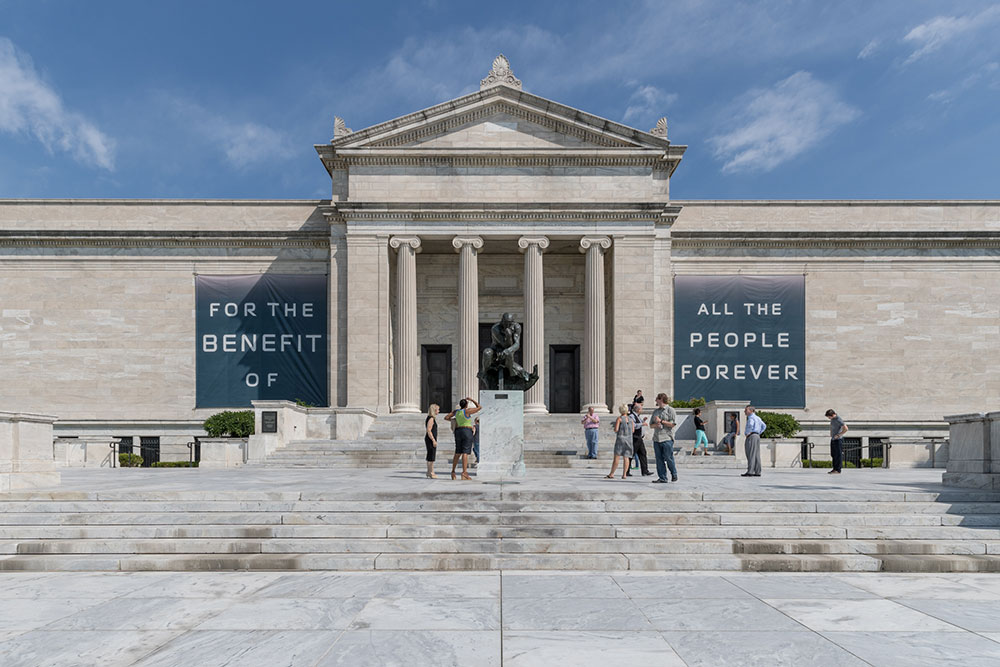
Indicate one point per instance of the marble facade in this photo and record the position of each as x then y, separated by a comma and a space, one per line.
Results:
497, 201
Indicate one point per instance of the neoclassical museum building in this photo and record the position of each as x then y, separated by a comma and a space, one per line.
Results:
143, 317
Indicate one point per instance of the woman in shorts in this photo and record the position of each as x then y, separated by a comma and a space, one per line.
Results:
464, 425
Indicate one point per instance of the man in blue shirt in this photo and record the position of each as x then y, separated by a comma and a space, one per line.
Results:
755, 426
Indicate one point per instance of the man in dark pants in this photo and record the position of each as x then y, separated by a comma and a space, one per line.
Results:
638, 444
837, 430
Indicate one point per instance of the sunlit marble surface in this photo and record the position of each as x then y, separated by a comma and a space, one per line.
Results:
318, 619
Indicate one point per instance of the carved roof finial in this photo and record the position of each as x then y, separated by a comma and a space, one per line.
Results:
661, 128
500, 75
340, 128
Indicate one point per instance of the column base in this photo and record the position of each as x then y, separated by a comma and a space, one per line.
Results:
407, 408
535, 409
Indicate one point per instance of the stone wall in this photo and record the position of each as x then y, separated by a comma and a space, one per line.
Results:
899, 328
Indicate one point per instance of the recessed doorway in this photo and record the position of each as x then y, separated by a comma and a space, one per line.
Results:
435, 374
564, 378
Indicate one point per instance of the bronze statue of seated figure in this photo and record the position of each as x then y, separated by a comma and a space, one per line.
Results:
499, 370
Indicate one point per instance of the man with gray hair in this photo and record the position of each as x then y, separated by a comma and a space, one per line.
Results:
755, 426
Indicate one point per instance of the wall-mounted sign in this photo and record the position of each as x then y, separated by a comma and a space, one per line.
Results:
261, 336
268, 421
740, 338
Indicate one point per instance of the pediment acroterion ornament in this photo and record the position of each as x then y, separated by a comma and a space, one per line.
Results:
661, 128
500, 75
340, 128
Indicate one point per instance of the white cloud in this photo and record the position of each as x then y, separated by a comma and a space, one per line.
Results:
932, 35
647, 104
776, 124
30, 106
244, 144
869, 50
987, 76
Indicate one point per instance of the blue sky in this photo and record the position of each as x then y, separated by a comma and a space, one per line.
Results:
775, 99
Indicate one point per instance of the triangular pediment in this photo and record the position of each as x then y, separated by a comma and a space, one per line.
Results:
500, 117
503, 129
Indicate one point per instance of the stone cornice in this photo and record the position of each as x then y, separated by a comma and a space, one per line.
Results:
348, 212
809, 240
145, 239
499, 157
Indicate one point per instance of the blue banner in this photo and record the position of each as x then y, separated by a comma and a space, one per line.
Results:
741, 338
261, 336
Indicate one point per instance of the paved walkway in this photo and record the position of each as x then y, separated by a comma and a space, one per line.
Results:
332, 482
510, 618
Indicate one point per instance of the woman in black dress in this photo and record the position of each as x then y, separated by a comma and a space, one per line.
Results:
431, 438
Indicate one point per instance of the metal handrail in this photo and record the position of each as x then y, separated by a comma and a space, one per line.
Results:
114, 453
887, 447
190, 446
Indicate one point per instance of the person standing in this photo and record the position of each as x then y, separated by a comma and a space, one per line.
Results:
732, 432
755, 426
431, 437
476, 430
591, 428
638, 443
623, 442
462, 417
638, 398
700, 437
837, 430
663, 422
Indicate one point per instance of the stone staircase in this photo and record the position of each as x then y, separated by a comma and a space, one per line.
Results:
396, 441
469, 526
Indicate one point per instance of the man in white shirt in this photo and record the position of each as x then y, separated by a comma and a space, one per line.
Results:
755, 426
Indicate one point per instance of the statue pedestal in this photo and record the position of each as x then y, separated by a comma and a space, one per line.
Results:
501, 441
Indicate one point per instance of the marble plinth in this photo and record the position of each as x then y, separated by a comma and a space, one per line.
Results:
501, 442
26, 454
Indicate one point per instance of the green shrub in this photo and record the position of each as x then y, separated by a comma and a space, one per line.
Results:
690, 403
872, 463
231, 424
129, 460
779, 425
175, 464
304, 404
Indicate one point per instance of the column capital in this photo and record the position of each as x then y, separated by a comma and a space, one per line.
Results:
459, 241
527, 241
412, 241
602, 242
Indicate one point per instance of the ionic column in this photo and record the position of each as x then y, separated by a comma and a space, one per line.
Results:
406, 394
594, 369
468, 314
533, 340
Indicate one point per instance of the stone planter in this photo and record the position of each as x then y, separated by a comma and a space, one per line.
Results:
223, 452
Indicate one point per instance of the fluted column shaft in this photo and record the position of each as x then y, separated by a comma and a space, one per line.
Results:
594, 369
406, 393
533, 339
468, 314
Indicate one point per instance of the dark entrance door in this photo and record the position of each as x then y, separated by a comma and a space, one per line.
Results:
435, 371
564, 378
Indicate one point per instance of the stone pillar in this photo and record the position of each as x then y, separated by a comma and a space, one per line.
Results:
468, 314
533, 340
406, 393
594, 369
368, 325
26, 453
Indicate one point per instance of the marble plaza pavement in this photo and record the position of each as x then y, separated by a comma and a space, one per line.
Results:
492, 618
